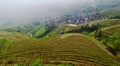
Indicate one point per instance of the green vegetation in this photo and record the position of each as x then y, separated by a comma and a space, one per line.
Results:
96, 43
58, 30
4, 44
13, 35
86, 29
42, 30
74, 49
37, 63
110, 37
7, 38
113, 13
61, 50
99, 30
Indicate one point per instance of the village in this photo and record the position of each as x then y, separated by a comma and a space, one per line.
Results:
75, 18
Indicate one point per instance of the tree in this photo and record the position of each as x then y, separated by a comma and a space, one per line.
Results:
98, 34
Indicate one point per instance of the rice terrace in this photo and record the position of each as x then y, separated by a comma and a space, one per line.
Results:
59, 33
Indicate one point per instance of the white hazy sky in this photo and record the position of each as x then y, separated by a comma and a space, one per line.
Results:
20, 11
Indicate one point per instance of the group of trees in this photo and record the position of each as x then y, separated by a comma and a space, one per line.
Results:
86, 29
48, 30
112, 42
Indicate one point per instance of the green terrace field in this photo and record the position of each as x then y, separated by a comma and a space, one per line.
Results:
87, 28
110, 36
8, 38
63, 46
106, 22
60, 33
112, 29
66, 49
12, 35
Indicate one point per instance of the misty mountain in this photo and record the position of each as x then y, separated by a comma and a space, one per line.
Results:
26, 11
59, 33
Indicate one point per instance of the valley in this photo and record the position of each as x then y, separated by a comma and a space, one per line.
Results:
88, 35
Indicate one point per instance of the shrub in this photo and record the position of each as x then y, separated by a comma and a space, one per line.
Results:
36, 63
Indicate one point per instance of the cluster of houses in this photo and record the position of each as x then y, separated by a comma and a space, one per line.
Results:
80, 17
72, 19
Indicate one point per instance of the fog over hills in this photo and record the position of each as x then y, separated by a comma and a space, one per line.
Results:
17, 11
59, 32
25, 11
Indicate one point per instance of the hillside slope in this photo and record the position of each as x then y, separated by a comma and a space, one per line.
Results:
112, 12
13, 35
42, 30
74, 49
8, 38
110, 36
85, 28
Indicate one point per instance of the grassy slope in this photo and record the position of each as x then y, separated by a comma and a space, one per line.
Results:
106, 22
4, 44
69, 48
58, 50
8, 38
111, 13
65, 29
112, 29
110, 35
13, 35
40, 30
102, 23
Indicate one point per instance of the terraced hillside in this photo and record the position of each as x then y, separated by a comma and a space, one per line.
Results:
110, 36
112, 12
73, 49
13, 35
85, 28
62, 29
107, 22
112, 29
8, 38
